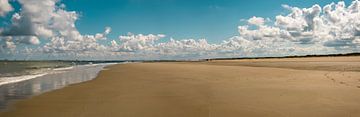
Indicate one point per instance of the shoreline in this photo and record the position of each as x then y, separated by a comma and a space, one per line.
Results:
216, 88
59, 78
49, 71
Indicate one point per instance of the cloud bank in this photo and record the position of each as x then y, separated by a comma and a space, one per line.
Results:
48, 28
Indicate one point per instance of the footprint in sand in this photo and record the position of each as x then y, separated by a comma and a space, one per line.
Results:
328, 77
344, 83
333, 79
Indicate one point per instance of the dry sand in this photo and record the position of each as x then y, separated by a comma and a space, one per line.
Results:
311, 87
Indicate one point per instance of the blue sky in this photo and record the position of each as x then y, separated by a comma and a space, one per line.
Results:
214, 20
176, 29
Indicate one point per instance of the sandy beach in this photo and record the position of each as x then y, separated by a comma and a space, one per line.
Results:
294, 87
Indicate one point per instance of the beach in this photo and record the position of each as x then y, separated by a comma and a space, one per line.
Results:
288, 87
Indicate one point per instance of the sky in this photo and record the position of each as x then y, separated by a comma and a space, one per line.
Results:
215, 20
176, 29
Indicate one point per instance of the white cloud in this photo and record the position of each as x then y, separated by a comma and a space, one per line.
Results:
133, 43
103, 35
34, 40
30, 40
114, 43
47, 19
256, 21
185, 47
5, 7
10, 45
334, 25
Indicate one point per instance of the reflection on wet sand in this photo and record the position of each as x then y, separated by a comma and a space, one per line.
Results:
22, 90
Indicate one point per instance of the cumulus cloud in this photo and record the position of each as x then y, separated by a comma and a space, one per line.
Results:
34, 19
133, 43
48, 19
33, 40
256, 21
73, 41
6, 45
334, 25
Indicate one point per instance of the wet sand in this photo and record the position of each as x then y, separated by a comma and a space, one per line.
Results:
310, 87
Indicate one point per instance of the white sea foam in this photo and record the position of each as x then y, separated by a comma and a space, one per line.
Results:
15, 79
64, 68
8, 80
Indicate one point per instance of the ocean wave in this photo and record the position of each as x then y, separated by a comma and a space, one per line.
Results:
43, 72
9, 80
64, 68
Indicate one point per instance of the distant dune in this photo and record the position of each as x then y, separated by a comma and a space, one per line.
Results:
294, 56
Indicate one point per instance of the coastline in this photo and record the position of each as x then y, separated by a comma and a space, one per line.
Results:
33, 85
203, 89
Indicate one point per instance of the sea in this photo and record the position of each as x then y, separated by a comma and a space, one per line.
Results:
23, 79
